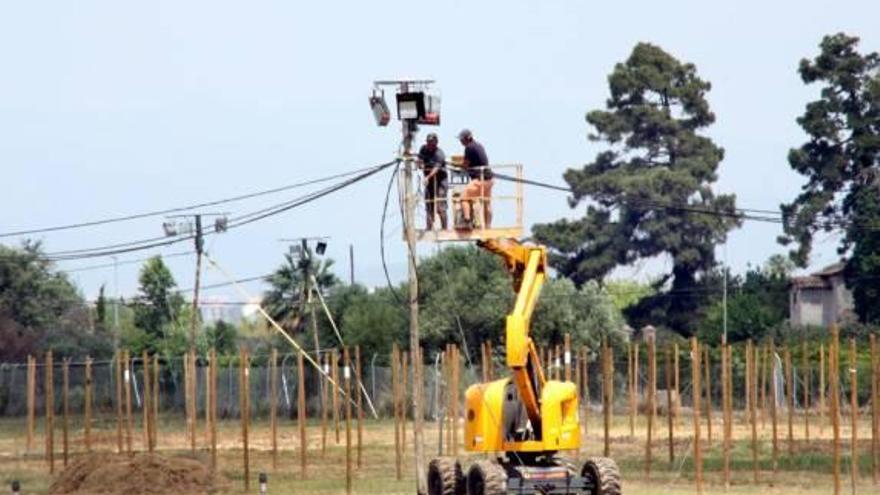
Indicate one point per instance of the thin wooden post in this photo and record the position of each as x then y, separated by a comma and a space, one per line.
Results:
636, 372
753, 412
404, 398
273, 405
652, 369
88, 406
822, 391
854, 415
325, 384
194, 397
129, 422
117, 358
456, 369
31, 399
805, 376
566, 357
155, 416
145, 403
875, 411
244, 414
212, 386
669, 421
774, 409
630, 386
450, 395
606, 393
676, 369
484, 361
833, 376
586, 391
50, 412
695, 376
725, 405
360, 405
301, 415
65, 389
334, 374
346, 373
707, 367
762, 387
187, 392
789, 396
395, 404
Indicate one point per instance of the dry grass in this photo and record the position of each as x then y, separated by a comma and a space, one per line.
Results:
807, 471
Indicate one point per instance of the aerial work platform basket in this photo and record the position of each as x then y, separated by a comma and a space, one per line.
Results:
502, 202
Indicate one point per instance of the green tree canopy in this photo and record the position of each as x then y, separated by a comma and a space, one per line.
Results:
646, 191
841, 161
158, 307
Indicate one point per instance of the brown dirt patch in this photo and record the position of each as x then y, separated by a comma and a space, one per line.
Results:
139, 474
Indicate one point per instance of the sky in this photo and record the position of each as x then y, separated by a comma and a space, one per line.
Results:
110, 108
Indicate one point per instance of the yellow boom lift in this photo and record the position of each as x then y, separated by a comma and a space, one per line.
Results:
524, 419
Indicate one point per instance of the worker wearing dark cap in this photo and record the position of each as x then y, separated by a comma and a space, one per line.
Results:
432, 161
479, 189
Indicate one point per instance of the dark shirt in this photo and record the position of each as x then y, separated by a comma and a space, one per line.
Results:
431, 160
475, 155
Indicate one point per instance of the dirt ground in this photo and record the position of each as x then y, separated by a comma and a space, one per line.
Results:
807, 470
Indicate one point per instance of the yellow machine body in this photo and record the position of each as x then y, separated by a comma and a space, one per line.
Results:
525, 412
484, 424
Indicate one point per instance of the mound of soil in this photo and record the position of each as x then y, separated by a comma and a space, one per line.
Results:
139, 474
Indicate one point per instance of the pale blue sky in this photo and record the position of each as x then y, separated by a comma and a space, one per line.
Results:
115, 107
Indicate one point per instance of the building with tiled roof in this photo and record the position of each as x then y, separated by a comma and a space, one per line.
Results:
820, 298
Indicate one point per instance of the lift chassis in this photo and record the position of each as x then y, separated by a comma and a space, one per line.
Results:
524, 420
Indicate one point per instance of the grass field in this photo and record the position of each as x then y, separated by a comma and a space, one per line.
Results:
806, 471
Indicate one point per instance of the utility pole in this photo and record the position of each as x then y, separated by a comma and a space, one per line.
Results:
724, 298
414, 106
200, 244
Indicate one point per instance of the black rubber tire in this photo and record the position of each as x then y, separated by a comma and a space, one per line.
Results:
486, 478
445, 477
605, 475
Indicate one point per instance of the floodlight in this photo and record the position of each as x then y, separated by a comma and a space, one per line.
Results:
411, 106
321, 247
380, 108
221, 224
170, 228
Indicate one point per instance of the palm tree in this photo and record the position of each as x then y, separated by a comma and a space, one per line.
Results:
290, 286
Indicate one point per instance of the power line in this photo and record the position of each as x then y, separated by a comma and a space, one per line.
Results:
136, 216
125, 262
245, 219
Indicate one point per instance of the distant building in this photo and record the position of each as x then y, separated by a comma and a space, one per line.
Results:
821, 298
216, 308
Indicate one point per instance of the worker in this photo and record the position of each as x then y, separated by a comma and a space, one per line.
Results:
432, 161
479, 188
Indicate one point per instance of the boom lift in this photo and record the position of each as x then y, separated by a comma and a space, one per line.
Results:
524, 419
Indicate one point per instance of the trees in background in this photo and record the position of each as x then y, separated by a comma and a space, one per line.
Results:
841, 161
645, 191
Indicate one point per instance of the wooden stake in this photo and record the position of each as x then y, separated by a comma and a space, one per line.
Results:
669, 422
707, 367
155, 416
805, 374
695, 376
31, 399
833, 375
753, 412
404, 397
244, 413
325, 384
606, 393
762, 387
875, 411
395, 404
50, 413
145, 403
789, 396
854, 414
65, 388
301, 415
456, 368
273, 405
346, 373
774, 416
334, 374
212, 406
630, 385
822, 391
677, 408
586, 392
117, 357
652, 389
725, 405
129, 421
88, 406
194, 398
449, 395
360, 406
